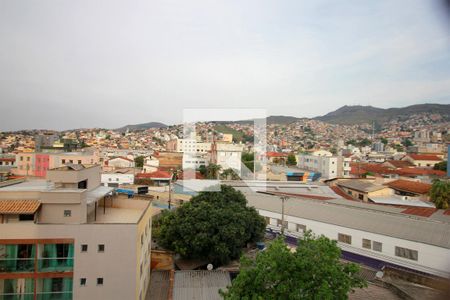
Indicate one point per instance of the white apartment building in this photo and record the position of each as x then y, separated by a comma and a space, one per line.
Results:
324, 163
192, 146
68, 237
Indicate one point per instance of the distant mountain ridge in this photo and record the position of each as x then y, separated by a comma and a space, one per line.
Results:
357, 114
142, 126
346, 115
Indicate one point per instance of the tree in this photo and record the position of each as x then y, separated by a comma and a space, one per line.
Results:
407, 143
364, 142
291, 160
212, 171
139, 161
229, 174
440, 193
313, 271
441, 166
248, 159
384, 141
214, 226
202, 169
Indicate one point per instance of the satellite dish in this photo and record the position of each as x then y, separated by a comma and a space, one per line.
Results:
209, 267
379, 274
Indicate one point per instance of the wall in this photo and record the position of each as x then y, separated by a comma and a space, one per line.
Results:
143, 250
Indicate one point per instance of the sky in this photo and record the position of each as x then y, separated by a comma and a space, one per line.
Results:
80, 64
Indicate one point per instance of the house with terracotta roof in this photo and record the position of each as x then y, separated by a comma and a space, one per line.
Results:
423, 160
410, 188
158, 178
397, 164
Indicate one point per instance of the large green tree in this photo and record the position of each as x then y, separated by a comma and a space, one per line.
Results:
214, 226
440, 193
313, 271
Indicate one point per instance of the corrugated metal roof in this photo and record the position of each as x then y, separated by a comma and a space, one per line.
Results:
200, 285
387, 221
13, 207
360, 185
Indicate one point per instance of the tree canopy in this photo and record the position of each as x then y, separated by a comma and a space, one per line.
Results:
441, 166
313, 271
139, 161
291, 160
440, 193
214, 226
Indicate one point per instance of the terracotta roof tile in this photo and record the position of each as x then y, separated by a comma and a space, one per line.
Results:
424, 157
409, 186
12, 207
156, 174
420, 211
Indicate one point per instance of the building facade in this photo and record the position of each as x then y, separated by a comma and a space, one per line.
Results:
67, 237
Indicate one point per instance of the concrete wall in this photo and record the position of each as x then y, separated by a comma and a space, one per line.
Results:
90, 174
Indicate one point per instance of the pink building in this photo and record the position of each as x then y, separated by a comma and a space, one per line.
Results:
42, 163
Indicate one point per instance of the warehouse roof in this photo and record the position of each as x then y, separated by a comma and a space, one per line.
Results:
388, 221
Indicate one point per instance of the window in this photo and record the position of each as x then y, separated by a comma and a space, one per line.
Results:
349, 192
82, 281
267, 219
278, 222
21, 158
100, 281
84, 248
301, 228
28, 158
366, 243
71, 161
344, 238
67, 213
360, 196
406, 253
63, 161
26, 217
101, 248
79, 161
377, 246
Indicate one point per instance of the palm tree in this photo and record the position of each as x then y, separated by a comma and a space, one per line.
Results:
212, 171
440, 193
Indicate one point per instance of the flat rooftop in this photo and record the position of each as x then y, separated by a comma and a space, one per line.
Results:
123, 211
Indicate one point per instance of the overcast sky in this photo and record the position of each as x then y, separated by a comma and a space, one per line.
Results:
70, 64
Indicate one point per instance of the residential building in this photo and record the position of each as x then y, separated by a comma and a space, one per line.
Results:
362, 190
119, 162
423, 160
52, 233
227, 156
37, 163
325, 163
118, 177
410, 188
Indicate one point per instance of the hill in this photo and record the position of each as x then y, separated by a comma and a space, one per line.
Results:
358, 114
142, 126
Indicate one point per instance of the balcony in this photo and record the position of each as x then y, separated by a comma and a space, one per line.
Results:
16, 265
58, 264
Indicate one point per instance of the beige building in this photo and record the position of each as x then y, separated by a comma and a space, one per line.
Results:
362, 190
68, 237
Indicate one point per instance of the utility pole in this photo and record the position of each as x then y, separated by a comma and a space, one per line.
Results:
283, 199
170, 191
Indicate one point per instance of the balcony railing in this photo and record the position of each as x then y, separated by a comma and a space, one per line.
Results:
16, 265
25, 265
54, 296
14, 296
58, 264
